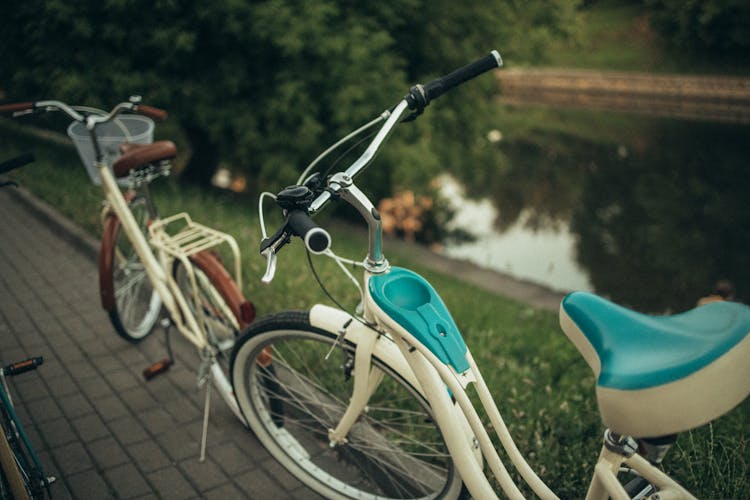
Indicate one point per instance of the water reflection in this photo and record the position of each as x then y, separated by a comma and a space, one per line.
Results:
652, 222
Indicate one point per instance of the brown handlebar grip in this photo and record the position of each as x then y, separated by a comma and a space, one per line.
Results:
16, 106
151, 112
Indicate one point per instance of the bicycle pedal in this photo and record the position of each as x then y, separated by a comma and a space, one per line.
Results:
157, 368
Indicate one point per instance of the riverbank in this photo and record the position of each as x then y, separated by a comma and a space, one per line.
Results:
695, 97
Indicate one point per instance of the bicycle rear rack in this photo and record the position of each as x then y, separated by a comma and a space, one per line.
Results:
190, 239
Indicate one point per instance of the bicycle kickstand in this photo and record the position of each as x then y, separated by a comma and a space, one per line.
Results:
164, 364
204, 378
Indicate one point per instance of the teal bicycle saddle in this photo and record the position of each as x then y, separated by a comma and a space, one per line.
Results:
676, 372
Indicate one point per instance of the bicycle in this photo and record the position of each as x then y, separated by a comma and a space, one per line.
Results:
147, 263
373, 403
20, 467
22, 472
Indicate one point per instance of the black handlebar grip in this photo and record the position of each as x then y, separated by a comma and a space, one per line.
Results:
18, 161
23, 366
316, 239
438, 86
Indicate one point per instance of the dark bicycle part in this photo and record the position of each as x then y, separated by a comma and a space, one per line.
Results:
420, 96
24, 366
157, 368
17, 162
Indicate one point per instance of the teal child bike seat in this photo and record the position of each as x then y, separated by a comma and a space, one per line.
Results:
415, 305
639, 351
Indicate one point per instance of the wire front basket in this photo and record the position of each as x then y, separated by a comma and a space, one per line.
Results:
125, 128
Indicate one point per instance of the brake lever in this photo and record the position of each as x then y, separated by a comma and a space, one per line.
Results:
268, 249
270, 256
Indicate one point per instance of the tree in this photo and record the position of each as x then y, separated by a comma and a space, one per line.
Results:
703, 25
266, 85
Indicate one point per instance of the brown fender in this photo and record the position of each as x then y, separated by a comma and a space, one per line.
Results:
243, 309
107, 255
106, 261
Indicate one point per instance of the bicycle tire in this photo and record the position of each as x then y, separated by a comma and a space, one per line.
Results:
125, 289
395, 450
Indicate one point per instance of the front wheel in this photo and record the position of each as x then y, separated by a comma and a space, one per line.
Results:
125, 288
291, 394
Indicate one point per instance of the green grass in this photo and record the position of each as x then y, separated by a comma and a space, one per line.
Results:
542, 386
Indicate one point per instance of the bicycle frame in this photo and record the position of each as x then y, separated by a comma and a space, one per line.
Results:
157, 271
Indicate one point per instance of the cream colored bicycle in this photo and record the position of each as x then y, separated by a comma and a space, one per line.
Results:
147, 262
373, 403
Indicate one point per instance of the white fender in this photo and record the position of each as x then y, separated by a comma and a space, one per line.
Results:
333, 320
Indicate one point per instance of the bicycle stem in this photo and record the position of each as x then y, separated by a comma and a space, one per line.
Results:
375, 261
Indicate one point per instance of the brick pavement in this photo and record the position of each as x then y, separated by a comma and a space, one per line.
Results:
99, 427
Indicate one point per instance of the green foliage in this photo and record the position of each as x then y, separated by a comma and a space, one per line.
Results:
266, 85
703, 25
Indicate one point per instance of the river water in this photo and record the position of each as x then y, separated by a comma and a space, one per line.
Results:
651, 216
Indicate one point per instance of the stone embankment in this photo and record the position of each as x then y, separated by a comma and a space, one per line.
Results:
698, 97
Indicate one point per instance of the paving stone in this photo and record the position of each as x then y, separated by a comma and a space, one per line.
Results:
127, 481
62, 385
73, 457
94, 388
127, 430
156, 420
110, 407
178, 444
148, 456
75, 405
205, 475
89, 484
170, 483
261, 485
231, 458
138, 399
90, 427
223, 492
57, 432
107, 453
122, 379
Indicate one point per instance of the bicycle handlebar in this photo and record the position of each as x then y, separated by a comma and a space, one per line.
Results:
151, 112
15, 107
21, 108
298, 210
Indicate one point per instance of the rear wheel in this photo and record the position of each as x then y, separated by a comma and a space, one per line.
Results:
210, 303
291, 394
126, 291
